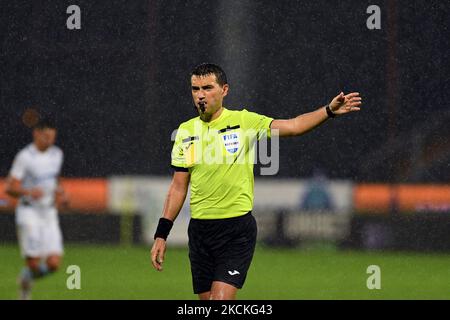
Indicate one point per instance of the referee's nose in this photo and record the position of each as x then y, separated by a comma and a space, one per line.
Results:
201, 99
201, 95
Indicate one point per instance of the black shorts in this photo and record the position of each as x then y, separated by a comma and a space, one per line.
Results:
221, 250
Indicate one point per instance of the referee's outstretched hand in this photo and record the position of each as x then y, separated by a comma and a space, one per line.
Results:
157, 253
345, 103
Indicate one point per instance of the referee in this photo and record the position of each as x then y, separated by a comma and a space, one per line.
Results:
211, 154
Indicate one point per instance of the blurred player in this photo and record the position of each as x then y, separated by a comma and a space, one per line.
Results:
34, 179
222, 230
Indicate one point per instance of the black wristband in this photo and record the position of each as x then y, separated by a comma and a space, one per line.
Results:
164, 227
330, 113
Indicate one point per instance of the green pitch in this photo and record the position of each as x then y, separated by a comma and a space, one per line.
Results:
109, 272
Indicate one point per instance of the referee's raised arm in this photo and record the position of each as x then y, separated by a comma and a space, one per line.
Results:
341, 104
172, 205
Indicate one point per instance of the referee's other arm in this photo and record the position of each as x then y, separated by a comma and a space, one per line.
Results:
172, 205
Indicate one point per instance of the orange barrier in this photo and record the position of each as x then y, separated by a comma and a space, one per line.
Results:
379, 198
371, 198
91, 196
85, 195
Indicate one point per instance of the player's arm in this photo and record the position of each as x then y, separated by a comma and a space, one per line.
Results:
341, 104
14, 189
61, 197
172, 205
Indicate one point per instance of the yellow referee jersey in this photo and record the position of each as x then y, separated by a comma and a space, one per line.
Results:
219, 156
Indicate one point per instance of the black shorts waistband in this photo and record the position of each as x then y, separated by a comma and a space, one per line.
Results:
223, 219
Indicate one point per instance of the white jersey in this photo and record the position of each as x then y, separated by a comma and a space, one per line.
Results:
38, 169
39, 233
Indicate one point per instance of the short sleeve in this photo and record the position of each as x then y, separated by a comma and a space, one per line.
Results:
259, 123
178, 156
61, 161
18, 168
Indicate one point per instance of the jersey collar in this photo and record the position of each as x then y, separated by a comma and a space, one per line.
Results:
222, 115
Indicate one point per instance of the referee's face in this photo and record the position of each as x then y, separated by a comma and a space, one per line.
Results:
208, 96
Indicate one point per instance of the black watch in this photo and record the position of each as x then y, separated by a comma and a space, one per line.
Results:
330, 113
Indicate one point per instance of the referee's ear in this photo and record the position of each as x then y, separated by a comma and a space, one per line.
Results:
225, 88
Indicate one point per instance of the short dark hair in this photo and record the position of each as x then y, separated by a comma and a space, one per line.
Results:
45, 123
205, 69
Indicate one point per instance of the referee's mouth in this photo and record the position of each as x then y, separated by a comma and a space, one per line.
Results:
202, 106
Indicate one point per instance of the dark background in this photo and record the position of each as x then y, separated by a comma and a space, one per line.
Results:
119, 86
